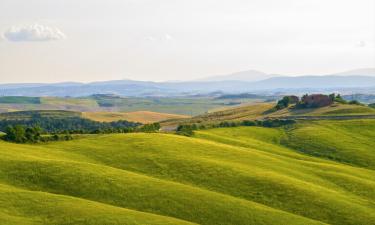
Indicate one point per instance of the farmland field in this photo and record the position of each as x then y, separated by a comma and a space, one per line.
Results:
139, 116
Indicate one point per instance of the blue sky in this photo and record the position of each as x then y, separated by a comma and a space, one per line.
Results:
91, 40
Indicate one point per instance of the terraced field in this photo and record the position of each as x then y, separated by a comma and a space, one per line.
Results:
243, 175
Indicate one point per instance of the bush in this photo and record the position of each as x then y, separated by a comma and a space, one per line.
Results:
248, 123
286, 101
186, 130
277, 123
15, 134
153, 127
355, 102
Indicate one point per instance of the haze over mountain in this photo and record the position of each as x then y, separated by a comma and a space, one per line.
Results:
248, 75
363, 72
247, 81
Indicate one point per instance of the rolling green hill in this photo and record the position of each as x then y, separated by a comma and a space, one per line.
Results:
260, 111
242, 175
336, 109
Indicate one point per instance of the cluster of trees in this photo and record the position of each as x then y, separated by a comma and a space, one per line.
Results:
372, 105
33, 134
148, 128
22, 134
42, 129
188, 129
312, 101
71, 125
286, 101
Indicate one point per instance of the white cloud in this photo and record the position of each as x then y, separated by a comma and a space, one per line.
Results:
34, 32
361, 44
168, 37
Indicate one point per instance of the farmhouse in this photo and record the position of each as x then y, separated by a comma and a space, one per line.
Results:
316, 100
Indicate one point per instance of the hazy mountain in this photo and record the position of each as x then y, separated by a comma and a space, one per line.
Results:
330, 81
248, 75
233, 83
362, 72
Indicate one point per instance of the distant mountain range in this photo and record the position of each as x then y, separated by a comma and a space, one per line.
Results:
247, 81
249, 75
255, 75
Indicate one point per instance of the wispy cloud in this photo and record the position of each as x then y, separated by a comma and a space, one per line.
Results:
361, 44
168, 37
159, 38
34, 32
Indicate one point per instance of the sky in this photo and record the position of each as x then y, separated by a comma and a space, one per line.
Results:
159, 40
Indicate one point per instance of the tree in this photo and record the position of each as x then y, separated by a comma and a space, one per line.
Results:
15, 134
33, 134
186, 130
286, 101
153, 127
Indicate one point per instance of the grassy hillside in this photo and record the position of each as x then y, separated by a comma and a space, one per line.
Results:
243, 175
259, 111
344, 141
336, 109
18, 115
139, 116
248, 112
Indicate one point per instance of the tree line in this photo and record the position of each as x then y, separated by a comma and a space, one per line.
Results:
188, 129
70, 124
43, 129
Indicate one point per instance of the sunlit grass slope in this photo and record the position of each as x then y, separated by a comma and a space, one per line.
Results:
349, 141
336, 109
242, 175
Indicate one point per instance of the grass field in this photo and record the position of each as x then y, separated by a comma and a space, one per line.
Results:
243, 175
87, 102
139, 116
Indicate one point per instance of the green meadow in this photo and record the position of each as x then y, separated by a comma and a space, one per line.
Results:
318, 172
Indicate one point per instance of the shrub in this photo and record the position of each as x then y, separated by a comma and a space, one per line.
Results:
286, 101
15, 134
248, 123
153, 127
354, 102
186, 130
